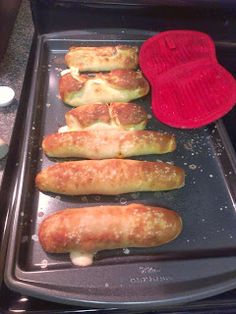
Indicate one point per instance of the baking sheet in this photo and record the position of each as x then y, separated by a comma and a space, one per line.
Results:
129, 277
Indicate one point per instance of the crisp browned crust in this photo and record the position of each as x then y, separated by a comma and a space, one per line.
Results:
109, 177
100, 144
94, 59
106, 51
127, 114
115, 115
125, 79
97, 228
68, 84
89, 114
115, 86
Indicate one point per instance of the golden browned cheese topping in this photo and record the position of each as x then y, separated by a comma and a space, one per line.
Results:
89, 114
98, 51
106, 51
125, 79
68, 84
131, 56
127, 113
102, 58
119, 79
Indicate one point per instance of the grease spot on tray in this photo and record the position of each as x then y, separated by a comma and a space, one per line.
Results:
189, 145
135, 195
84, 199
126, 251
192, 167
43, 264
123, 201
58, 69
35, 237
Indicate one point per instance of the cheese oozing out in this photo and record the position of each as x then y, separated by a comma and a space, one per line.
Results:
81, 259
73, 71
95, 126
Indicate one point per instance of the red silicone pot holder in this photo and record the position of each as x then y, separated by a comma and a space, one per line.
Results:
189, 87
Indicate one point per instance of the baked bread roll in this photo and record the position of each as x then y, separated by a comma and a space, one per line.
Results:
100, 144
122, 116
109, 177
84, 231
115, 86
95, 59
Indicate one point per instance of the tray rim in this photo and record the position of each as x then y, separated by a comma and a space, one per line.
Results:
6, 187
38, 291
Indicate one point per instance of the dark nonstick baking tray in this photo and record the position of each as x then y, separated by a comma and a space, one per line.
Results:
201, 262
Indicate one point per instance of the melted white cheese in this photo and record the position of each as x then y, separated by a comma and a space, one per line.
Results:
63, 129
95, 126
73, 71
98, 90
81, 259
64, 72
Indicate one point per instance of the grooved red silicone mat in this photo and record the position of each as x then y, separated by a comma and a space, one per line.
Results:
190, 88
